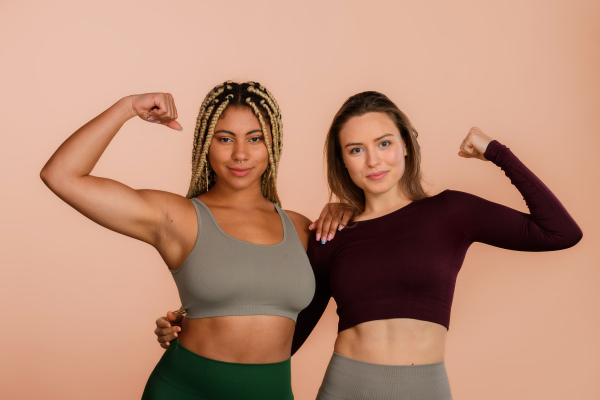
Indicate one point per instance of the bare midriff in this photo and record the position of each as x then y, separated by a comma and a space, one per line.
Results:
247, 339
399, 341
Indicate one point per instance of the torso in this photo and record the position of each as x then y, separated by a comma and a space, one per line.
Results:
397, 341
240, 339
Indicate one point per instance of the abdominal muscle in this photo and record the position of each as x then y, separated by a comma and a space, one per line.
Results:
247, 339
398, 341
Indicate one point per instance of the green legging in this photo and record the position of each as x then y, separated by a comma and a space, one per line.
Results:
183, 375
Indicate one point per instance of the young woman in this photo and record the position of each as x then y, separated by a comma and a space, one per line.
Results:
393, 272
239, 261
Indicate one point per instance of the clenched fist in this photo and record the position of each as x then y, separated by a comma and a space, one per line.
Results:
474, 145
156, 107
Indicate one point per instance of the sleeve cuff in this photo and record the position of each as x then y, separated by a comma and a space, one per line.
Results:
493, 150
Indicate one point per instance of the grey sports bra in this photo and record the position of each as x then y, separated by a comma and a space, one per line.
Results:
224, 276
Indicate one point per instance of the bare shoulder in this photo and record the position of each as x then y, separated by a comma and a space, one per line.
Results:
301, 223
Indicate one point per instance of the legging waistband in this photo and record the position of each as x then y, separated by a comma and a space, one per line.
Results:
183, 374
350, 379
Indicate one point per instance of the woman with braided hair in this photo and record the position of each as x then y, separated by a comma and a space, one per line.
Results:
239, 261
392, 272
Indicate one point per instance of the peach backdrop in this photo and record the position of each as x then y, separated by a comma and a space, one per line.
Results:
79, 301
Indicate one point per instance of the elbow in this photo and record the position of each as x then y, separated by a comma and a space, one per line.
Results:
571, 238
47, 177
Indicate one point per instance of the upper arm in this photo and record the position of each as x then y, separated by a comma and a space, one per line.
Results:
487, 222
301, 223
310, 316
140, 214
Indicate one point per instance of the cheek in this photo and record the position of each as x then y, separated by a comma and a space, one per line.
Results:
354, 166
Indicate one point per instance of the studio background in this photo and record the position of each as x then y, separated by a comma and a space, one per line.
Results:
79, 301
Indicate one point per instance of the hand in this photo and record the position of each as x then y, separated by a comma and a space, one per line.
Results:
167, 328
475, 144
156, 107
335, 216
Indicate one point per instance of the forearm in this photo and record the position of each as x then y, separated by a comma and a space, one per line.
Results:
77, 156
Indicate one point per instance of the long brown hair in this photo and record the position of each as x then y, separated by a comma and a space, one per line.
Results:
231, 94
338, 178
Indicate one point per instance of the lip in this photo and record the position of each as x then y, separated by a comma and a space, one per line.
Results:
240, 171
377, 176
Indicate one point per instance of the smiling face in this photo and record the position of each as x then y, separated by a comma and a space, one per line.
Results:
237, 153
373, 152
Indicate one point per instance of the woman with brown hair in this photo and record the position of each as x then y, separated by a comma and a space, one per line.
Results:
239, 261
392, 272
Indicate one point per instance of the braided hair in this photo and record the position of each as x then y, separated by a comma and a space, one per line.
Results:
248, 94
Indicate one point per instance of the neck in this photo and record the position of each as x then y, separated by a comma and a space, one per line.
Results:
229, 196
377, 204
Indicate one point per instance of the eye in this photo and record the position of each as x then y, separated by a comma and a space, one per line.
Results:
255, 139
355, 150
224, 140
385, 143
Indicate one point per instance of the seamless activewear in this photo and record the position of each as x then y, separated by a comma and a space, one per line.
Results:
404, 264
224, 276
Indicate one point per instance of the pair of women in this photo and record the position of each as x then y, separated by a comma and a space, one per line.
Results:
238, 259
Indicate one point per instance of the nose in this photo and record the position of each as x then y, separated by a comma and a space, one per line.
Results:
373, 159
240, 152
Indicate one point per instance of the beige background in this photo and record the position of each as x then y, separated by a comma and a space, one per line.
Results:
79, 301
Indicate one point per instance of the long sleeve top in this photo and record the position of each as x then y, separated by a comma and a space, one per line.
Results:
404, 264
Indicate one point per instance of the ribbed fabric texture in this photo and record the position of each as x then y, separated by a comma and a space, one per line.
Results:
349, 379
224, 276
405, 264
184, 375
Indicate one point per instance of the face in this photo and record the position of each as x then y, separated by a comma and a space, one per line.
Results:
238, 153
373, 152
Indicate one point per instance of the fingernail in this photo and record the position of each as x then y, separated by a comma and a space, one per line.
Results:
341, 227
175, 334
330, 237
180, 129
323, 241
318, 236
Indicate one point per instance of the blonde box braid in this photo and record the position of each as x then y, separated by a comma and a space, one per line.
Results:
263, 104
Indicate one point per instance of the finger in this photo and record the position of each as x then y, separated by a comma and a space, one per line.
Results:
162, 332
175, 318
335, 223
345, 219
165, 345
174, 125
319, 222
326, 232
173, 108
163, 322
161, 106
166, 338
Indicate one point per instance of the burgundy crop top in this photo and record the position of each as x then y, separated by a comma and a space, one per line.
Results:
404, 264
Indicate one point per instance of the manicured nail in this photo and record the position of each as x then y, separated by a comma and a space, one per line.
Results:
330, 237
148, 119
341, 227
318, 237
180, 129
323, 241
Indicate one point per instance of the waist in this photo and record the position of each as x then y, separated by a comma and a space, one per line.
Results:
248, 339
397, 341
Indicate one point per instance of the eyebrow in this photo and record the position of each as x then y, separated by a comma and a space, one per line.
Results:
231, 133
379, 138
